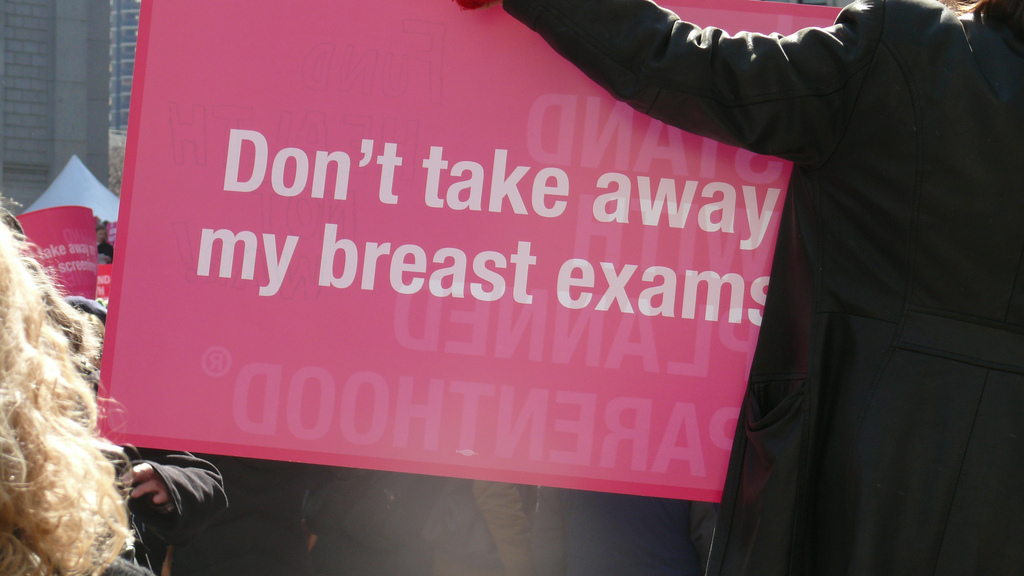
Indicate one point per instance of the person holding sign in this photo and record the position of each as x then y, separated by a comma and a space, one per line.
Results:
882, 431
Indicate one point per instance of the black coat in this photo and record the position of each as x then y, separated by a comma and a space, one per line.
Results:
195, 487
371, 523
260, 534
883, 426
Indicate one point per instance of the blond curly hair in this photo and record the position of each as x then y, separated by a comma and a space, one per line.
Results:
62, 509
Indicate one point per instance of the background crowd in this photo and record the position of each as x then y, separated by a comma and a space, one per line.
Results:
187, 514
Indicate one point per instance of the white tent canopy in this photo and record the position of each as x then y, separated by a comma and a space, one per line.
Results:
76, 186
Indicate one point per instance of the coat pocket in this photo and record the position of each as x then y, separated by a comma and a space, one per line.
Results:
771, 402
774, 426
767, 503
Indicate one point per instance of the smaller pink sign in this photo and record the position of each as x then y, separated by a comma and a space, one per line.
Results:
103, 276
65, 241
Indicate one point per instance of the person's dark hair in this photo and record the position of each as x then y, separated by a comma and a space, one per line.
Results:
1009, 11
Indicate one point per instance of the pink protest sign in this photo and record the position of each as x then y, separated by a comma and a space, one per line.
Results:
103, 275
391, 234
65, 238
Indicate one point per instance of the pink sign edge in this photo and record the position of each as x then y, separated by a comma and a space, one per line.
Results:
127, 194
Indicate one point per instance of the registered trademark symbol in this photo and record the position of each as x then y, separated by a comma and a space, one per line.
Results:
216, 361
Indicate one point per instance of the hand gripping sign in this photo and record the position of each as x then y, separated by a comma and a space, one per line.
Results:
353, 237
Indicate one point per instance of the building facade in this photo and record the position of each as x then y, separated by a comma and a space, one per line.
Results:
124, 34
54, 90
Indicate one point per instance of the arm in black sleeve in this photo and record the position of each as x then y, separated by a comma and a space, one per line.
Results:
195, 487
788, 96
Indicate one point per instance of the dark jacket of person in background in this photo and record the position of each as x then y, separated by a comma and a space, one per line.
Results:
371, 523
260, 534
482, 528
584, 533
882, 430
